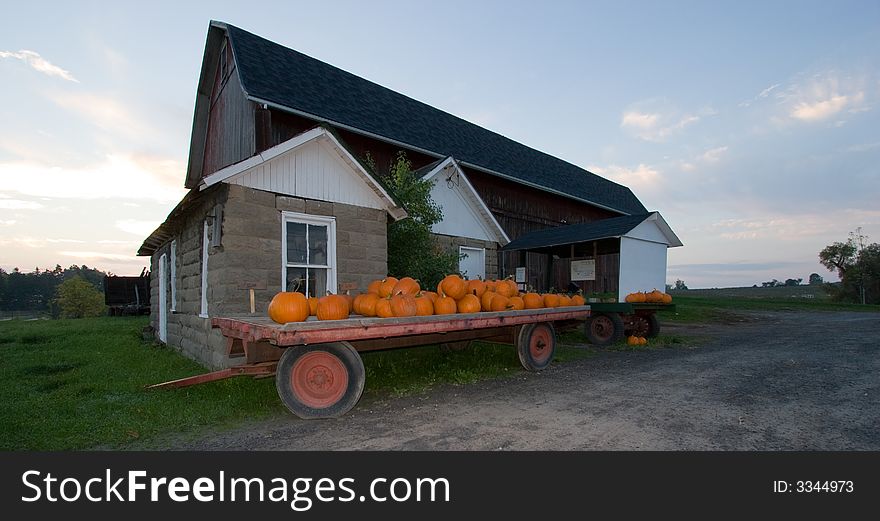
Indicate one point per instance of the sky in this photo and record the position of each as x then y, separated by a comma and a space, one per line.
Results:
753, 127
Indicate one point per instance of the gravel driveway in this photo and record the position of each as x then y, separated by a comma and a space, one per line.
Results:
774, 381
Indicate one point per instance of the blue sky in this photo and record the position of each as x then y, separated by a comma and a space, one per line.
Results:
752, 127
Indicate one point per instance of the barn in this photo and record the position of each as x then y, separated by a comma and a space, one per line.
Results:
281, 197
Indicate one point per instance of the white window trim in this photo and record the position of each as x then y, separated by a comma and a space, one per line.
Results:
173, 276
305, 218
461, 250
163, 313
203, 311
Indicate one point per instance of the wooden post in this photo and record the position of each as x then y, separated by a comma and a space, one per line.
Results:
253, 308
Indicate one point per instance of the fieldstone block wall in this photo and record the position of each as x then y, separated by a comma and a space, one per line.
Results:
450, 243
249, 257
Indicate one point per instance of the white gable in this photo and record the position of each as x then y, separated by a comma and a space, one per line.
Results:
655, 229
312, 165
464, 213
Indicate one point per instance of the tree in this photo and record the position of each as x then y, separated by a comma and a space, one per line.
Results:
680, 285
771, 284
857, 266
412, 250
78, 298
815, 279
793, 282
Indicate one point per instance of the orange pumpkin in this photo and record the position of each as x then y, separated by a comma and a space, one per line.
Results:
516, 303
367, 305
655, 297
374, 286
403, 305
452, 286
289, 306
499, 302
383, 308
424, 305
468, 304
476, 287
445, 306
578, 300
313, 306
490, 285
636, 298
332, 307
387, 286
564, 301
667, 298
350, 299
506, 288
551, 300
632, 340
431, 295
642, 340
406, 286
533, 301
356, 305
486, 300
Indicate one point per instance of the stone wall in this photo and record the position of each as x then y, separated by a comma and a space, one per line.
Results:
249, 257
450, 243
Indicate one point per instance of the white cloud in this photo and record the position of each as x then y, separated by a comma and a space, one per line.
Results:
116, 177
15, 204
8, 222
40, 64
103, 256
136, 227
819, 109
642, 176
713, 155
656, 126
107, 113
864, 147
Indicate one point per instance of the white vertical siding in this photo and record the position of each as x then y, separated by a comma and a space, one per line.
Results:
312, 171
642, 266
459, 218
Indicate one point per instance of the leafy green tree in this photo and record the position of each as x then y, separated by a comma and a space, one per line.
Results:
77, 298
412, 250
815, 279
680, 285
857, 266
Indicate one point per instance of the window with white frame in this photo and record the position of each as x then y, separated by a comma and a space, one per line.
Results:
308, 251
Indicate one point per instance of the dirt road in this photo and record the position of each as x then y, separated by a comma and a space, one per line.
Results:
777, 381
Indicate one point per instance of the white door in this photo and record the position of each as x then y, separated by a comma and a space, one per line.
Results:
473, 263
163, 300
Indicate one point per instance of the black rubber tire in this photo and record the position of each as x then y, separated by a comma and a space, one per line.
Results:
604, 329
349, 358
455, 346
523, 346
653, 325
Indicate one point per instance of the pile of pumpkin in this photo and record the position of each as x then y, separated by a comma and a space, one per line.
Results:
654, 297
392, 297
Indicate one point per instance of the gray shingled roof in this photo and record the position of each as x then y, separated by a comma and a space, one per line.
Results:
576, 233
272, 73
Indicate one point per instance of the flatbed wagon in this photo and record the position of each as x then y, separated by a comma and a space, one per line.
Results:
610, 322
317, 366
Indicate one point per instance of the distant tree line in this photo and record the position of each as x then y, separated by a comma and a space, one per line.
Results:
37, 290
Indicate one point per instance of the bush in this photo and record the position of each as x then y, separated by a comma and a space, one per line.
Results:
78, 298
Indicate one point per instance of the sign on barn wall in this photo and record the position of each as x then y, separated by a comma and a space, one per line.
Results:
583, 269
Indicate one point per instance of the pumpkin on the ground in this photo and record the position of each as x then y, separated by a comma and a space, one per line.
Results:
632, 340
332, 307
289, 306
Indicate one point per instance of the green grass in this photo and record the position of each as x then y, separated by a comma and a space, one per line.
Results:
74, 384
707, 307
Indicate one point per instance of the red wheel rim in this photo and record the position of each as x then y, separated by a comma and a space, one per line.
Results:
602, 327
319, 379
540, 344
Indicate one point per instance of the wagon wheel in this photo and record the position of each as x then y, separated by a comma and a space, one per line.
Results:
320, 381
602, 329
535, 346
455, 346
643, 325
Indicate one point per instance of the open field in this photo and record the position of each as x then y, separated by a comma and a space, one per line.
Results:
73, 384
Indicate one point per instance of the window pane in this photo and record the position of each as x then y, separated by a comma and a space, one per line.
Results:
317, 244
296, 243
296, 280
317, 282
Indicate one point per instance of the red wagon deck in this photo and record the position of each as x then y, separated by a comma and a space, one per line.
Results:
319, 372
